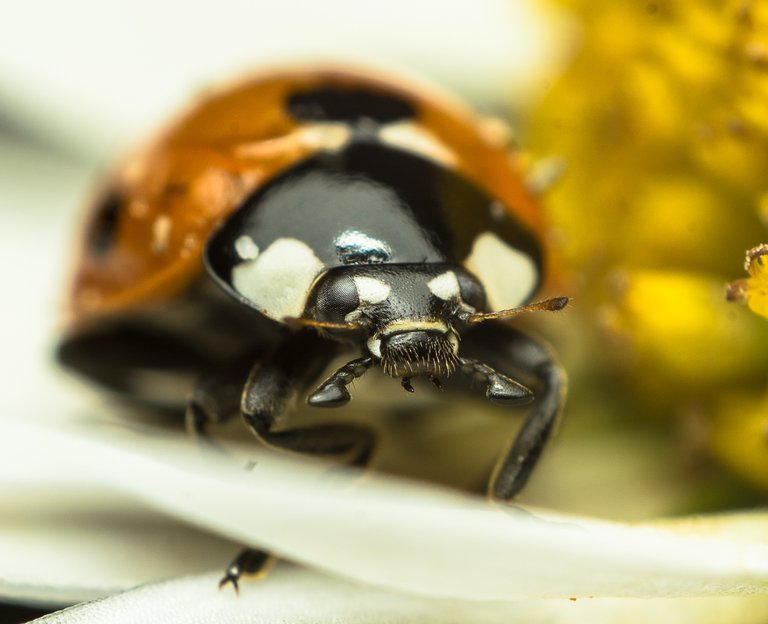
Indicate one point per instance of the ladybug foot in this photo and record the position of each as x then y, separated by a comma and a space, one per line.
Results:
504, 391
333, 391
232, 576
329, 395
499, 388
250, 561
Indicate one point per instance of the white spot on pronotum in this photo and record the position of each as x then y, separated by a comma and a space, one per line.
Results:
246, 248
371, 290
445, 286
507, 274
161, 234
278, 280
413, 138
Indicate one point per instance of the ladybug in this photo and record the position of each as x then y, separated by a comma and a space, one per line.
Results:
300, 215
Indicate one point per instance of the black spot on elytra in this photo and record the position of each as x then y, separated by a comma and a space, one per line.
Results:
103, 230
350, 105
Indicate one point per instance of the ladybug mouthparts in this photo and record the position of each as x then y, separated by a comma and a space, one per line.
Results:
420, 352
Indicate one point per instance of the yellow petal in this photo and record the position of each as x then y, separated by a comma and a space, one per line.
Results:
739, 436
680, 328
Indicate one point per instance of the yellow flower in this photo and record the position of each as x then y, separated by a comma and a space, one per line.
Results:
740, 435
684, 337
662, 121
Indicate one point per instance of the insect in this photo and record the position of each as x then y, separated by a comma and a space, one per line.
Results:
300, 215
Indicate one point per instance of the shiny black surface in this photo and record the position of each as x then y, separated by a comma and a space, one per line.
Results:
368, 204
409, 296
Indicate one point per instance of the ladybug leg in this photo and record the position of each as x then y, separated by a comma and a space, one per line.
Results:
333, 391
112, 353
521, 357
274, 383
499, 388
270, 387
250, 561
215, 397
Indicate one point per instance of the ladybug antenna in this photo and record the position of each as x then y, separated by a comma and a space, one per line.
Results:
308, 322
547, 305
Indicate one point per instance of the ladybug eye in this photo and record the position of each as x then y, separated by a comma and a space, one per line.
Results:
103, 228
334, 298
472, 292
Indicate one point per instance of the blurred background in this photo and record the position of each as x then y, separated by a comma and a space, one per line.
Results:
655, 111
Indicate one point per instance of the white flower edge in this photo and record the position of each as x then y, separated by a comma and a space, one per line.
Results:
291, 594
60, 546
389, 533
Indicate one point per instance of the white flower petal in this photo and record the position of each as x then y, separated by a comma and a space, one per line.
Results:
390, 533
62, 547
291, 594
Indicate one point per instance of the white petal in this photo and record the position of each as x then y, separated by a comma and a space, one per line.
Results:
290, 594
62, 547
394, 534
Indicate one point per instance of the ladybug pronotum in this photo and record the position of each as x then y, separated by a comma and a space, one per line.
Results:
292, 217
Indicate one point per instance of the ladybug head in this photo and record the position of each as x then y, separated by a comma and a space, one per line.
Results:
400, 309
408, 317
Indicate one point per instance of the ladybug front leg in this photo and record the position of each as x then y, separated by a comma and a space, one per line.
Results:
521, 358
274, 383
216, 396
271, 385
